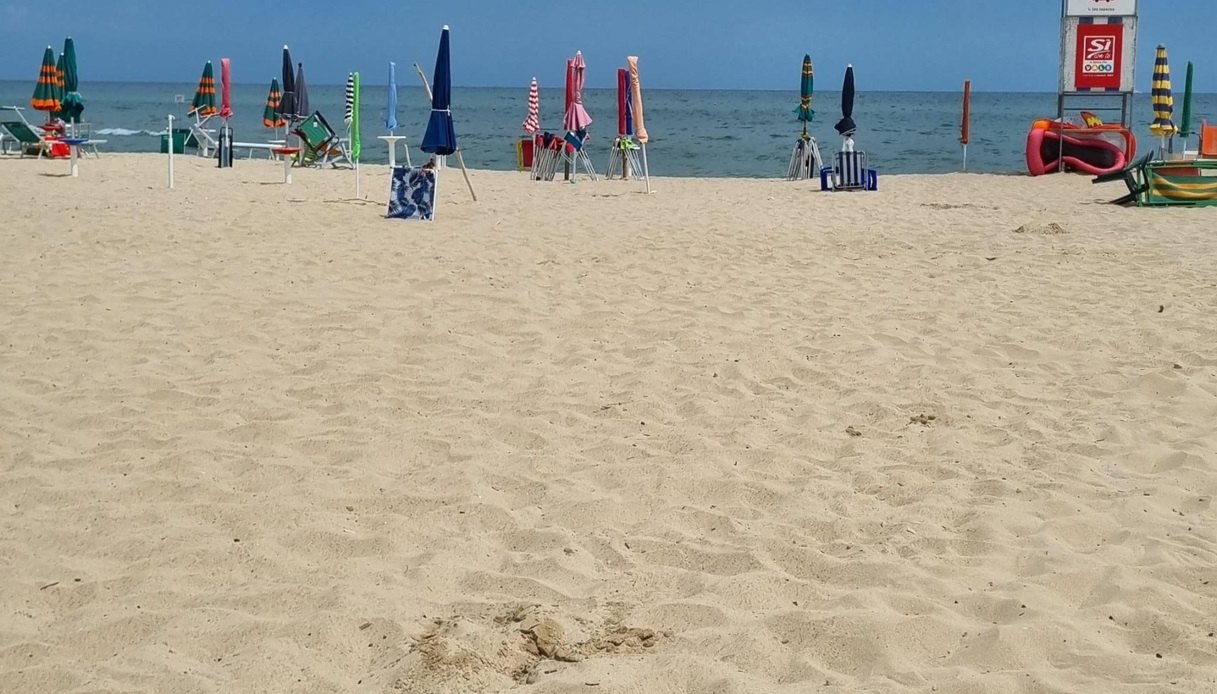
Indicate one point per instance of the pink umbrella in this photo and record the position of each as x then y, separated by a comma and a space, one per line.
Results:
576, 118
225, 89
532, 124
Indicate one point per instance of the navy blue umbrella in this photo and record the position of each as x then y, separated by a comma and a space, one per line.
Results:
287, 103
846, 125
303, 110
440, 137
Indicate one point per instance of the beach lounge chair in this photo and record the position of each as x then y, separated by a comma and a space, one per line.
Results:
1208, 140
203, 137
850, 172
319, 143
575, 154
29, 141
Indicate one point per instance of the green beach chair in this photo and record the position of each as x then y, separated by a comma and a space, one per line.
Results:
28, 140
319, 143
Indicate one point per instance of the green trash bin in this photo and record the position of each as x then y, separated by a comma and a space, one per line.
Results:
179, 141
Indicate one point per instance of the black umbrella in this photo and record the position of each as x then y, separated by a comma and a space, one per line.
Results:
302, 106
846, 125
287, 102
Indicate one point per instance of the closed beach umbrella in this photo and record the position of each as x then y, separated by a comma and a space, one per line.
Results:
846, 125
287, 102
806, 86
576, 118
623, 82
302, 105
46, 91
204, 103
348, 111
1185, 125
356, 142
270, 114
965, 122
640, 128
225, 88
440, 137
532, 124
391, 115
73, 104
1161, 97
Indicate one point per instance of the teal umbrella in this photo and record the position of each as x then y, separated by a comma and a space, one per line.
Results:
806, 85
73, 104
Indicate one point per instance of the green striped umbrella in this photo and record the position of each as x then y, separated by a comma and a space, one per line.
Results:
73, 104
46, 92
1161, 97
204, 103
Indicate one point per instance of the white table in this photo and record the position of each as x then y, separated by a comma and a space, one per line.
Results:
74, 144
391, 140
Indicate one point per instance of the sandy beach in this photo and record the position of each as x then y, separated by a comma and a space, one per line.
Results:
956, 435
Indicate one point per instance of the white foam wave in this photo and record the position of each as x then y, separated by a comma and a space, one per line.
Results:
124, 132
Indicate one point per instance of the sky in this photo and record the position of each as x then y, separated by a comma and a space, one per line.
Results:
919, 45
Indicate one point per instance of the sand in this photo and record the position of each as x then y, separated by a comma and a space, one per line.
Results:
735, 436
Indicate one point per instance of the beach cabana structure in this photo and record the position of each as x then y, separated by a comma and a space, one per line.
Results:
805, 161
623, 157
850, 170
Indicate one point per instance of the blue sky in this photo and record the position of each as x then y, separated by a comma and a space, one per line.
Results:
1001, 45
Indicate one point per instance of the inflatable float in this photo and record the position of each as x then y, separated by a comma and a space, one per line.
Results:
1093, 150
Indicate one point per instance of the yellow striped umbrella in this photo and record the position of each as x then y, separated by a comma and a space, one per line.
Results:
1160, 96
48, 92
204, 103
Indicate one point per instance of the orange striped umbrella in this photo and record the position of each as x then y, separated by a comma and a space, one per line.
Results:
270, 115
204, 103
48, 92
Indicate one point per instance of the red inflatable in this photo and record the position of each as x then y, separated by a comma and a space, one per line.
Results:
1089, 150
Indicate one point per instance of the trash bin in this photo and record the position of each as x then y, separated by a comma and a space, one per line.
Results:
179, 141
224, 151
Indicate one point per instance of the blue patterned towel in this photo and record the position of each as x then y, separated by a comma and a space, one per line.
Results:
412, 194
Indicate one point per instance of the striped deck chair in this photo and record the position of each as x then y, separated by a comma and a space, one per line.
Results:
850, 172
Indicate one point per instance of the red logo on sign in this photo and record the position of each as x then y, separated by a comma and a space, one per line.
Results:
1100, 48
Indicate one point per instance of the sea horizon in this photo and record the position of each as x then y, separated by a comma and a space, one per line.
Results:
694, 132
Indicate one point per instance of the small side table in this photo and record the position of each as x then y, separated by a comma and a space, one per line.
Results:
287, 153
74, 144
391, 140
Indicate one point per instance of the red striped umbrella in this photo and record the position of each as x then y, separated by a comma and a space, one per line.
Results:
532, 124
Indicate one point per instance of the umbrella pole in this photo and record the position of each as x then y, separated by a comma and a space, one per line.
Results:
461, 159
965, 157
170, 148
646, 171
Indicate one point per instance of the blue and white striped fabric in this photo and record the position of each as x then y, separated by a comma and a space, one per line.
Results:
851, 170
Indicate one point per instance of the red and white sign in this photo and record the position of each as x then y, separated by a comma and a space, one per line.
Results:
1102, 8
1099, 56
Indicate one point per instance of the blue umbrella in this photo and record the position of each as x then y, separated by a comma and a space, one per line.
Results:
391, 117
846, 125
287, 102
303, 109
440, 137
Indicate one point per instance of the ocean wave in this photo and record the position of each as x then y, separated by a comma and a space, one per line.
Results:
124, 132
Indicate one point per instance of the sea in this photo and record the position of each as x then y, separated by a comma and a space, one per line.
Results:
728, 133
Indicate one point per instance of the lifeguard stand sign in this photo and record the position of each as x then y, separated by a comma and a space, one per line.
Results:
1098, 53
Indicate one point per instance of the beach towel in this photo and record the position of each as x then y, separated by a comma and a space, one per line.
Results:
412, 193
